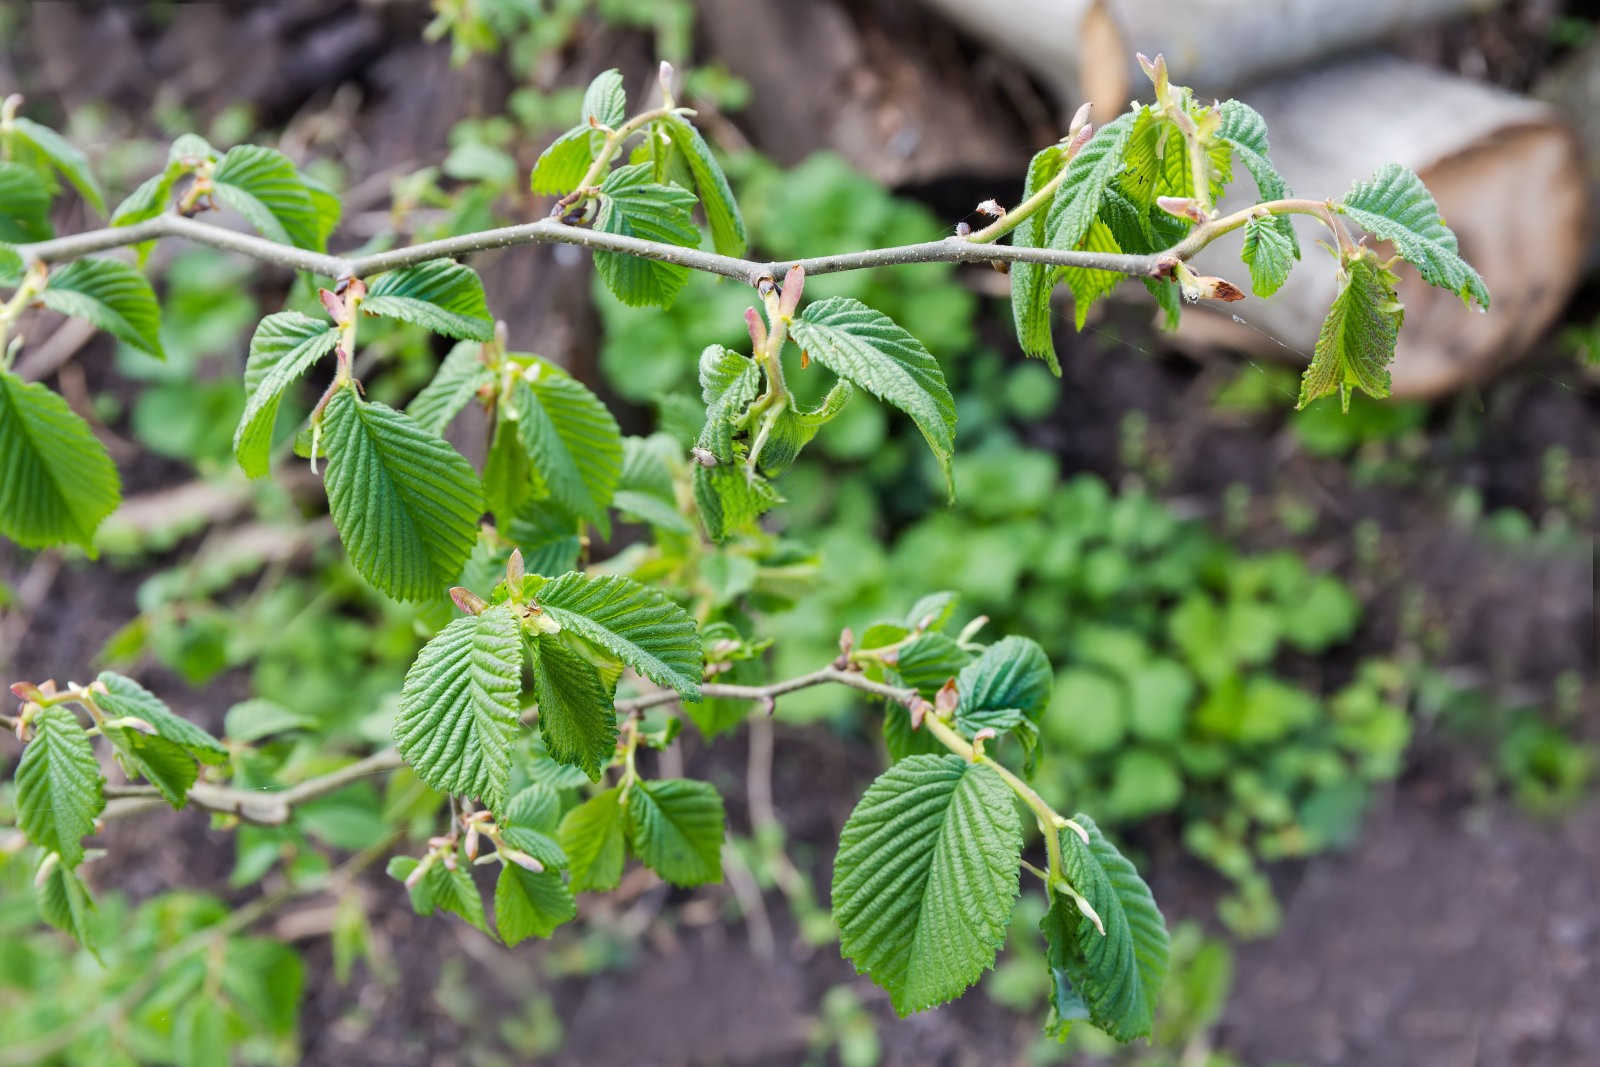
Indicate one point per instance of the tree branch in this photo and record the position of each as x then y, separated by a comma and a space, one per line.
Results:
553, 231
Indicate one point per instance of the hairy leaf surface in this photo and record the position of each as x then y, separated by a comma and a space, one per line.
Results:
576, 717
1394, 205
1031, 282
1008, 683
1245, 131
1357, 339
125, 697
1268, 253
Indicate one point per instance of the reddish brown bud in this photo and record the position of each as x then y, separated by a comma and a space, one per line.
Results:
794, 283
467, 600
919, 711
758, 329
335, 305
947, 699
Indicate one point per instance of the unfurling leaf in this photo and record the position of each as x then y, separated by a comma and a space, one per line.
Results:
1245, 131
1358, 337
728, 234
452, 388
1008, 683
1031, 282
1268, 253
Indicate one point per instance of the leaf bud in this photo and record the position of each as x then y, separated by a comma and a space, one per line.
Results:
467, 600
1080, 119
947, 699
521, 859
515, 567
758, 329
794, 284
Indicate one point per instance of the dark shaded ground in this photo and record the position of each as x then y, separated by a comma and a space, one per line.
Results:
1459, 931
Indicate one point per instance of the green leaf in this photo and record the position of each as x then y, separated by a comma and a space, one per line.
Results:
1089, 285
632, 205
164, 764
571, 438
1008, 683
563, 164
530, 904
110, 295
509, 481
1395, 206
56, 481
452, 889
1089, 175
1357, 339
576, 717
793, 429
728, 501
1031, 282
729, 382
929, 661
405, 503
1268, 253
926, 877
10, 265
728, 235
263, 185
459, 707
1117, 974
24, 205
633, 622
645, 488
675, 828
59, 788
592, 835
282, 349
548, 539
63, 156
125, 697
252, 720
1245, 131
604, 101
867, 349
452, 388
149, 199
439, 295
64, 903
536, 807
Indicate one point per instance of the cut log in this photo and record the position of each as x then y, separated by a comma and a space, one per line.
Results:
1084, 48
1509, 180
